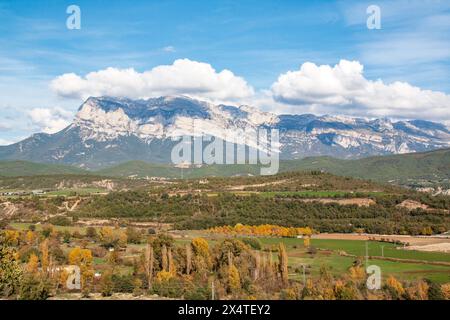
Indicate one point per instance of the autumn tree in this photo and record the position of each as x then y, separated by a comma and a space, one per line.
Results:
44, 256
188, 259
149, 263
164, 261
170, 261
234, 280
33, 264
394, 287
83, 259
10, 271
283, 263
202, 258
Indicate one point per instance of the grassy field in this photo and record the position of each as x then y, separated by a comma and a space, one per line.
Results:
329, 256
76, 191
358, 248
339, 264
24, 226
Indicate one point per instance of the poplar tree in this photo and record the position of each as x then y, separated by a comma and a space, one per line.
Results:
283, 263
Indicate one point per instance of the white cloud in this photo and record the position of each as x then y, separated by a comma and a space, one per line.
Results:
344, 89
169, 49
184, 76
50, 120
319, 89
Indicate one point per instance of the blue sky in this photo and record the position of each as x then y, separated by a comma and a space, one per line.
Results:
256, 40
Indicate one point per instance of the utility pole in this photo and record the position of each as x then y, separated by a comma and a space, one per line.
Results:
367, 254
382, 251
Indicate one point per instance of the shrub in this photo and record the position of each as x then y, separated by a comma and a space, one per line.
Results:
198, 293
434, 291
60, 221
34, 288
91, 232
254, 243
123, 283
106, 284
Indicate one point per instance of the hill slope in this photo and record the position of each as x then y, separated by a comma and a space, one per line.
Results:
403, 169
433, 165
26, 168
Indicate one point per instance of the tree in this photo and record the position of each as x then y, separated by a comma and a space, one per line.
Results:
106, 284
133, 236
149, 262
188, 259
44, 256
164, 261
434, 290
171, 262
234, 279
11, 237
83, 259
394, 287
306, 241
34, 287
445, 288
418, 291
33, 264
10, 271
283, 263
30, 237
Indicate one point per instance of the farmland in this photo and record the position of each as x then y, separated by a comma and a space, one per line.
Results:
299, 235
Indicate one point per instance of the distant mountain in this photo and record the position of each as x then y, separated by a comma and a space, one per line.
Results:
109, 131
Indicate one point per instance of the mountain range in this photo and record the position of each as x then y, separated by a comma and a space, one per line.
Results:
109, 131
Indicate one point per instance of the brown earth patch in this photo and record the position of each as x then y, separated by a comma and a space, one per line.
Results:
412, 205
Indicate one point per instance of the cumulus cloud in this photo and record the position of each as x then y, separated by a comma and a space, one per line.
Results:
184, 76
50, 120
344, 89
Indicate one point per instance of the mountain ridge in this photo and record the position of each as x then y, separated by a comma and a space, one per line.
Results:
108, 131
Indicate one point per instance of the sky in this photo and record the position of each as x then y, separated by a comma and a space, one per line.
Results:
281, 56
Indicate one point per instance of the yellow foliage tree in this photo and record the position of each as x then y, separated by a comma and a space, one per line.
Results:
234, 280
262, 230
357, 273
163, 276
446, 290
306, 241
283, 263
33, 264
83, 259
11, 237
30, 237
418, 291
395, 286
44, 256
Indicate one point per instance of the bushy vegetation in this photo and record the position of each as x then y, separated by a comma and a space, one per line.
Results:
31, 269
202, 212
